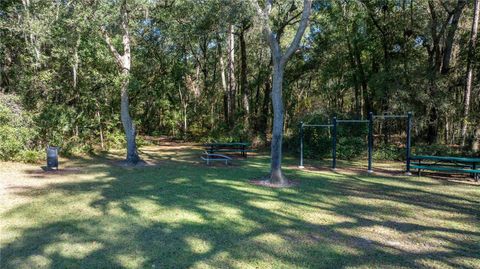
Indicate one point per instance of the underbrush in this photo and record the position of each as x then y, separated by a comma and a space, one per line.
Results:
17, 132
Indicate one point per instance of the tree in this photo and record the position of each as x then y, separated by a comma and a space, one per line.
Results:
468, 86
279, 61
124, 63
359, 56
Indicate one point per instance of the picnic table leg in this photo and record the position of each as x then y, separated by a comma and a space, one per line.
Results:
419, 163
475, 175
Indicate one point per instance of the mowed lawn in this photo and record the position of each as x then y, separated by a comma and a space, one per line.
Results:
180, 213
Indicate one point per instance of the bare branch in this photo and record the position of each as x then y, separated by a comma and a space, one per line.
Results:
307, 7
267, 31
126, 34
287, 21
116, 55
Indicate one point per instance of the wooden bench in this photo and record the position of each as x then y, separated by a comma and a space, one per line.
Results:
228, 147
448, 164
209, 157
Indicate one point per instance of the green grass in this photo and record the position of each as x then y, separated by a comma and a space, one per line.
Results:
183, 214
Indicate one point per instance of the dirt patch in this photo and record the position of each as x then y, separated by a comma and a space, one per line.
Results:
44, 172
267, 183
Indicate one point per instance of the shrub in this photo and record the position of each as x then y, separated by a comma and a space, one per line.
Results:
115, 139
438, 149
17, 132
30, 156
391, 152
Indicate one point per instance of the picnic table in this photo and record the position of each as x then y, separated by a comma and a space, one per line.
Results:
447, 164
228, 147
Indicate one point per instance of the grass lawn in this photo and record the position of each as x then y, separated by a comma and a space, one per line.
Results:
179, 213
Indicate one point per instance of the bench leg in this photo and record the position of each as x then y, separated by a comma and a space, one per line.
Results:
475, 175
419, 163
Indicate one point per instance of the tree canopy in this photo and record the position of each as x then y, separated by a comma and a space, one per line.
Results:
201, 70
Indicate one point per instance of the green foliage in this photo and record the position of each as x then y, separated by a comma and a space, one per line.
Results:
350, 148
356, 57
116, 139
30, 156
13, 141
389, 152
439, 150
17, 133
351, 139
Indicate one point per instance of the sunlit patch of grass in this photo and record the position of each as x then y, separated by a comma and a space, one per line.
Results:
198, 245
72, 250
184, 214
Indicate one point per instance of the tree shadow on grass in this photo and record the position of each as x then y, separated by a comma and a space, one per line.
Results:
179, 216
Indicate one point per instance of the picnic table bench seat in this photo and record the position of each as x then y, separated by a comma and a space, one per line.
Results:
211, 157
233, 150
463, 165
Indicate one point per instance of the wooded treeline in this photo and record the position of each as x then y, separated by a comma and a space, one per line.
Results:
201, 70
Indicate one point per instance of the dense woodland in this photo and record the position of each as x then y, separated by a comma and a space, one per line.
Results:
202, 69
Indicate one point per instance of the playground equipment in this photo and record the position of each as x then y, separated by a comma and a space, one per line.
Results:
370, 121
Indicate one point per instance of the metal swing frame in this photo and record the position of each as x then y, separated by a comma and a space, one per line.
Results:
370, 122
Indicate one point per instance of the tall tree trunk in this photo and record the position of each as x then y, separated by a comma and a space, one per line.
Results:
183, 101
226, 95
102, 144
185, 122
476, 139
30, 39
435, 61
129, 128
124, 64
447, 130
243, 80
367, 98
468, 86
277, 131
457, 13
356, 86
263, 119
232, 87
76, 61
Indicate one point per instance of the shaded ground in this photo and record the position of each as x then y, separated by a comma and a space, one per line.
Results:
177, 212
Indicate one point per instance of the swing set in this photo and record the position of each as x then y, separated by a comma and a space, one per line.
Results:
370, 122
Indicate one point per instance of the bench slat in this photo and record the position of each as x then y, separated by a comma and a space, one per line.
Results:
216, 156
226, 144
230, 150
447, 169
443, 164
446, 158
210, 159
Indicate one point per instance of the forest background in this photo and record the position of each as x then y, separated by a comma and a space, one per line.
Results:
201, 71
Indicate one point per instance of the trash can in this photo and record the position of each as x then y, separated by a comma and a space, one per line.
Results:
52, 157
